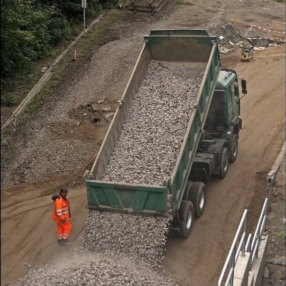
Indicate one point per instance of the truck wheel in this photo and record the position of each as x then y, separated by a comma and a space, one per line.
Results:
223, 163
234, 149
187, 190
197, 196
187, 216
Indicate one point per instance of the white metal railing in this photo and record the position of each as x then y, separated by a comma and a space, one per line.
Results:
234, 252
260, 228
245, 244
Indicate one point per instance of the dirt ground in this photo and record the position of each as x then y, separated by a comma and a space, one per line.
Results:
28, 235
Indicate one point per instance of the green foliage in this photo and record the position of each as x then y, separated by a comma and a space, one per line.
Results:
281, 234
8, 100
30, 29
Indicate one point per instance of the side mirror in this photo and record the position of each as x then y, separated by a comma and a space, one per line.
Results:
243, 85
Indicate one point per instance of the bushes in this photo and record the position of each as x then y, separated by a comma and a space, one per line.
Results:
30, 29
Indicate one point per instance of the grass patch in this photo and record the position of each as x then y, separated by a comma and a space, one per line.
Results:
281, 234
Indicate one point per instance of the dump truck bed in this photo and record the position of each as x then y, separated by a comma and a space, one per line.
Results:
184, 51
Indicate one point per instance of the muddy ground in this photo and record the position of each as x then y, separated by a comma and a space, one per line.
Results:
28, 236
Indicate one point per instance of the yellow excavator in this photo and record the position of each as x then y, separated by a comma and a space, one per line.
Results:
246, 50
246, 53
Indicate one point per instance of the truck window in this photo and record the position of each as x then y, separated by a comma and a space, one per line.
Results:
234, 90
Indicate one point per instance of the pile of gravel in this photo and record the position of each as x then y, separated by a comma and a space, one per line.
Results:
140, 237
152, 135
86, 269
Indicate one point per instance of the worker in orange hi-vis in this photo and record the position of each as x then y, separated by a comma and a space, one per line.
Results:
61, 215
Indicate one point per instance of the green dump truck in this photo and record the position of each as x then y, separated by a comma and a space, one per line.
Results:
210, 142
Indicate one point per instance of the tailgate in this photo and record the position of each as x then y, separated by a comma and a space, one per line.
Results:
140, 199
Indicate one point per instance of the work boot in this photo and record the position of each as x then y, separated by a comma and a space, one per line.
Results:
65, 242
60, 241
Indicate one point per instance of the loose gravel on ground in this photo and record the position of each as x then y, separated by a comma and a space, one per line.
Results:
100, 270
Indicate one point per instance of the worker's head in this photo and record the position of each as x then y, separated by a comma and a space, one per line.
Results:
63, 192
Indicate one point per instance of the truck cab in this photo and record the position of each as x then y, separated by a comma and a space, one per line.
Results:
219, 141
225, 106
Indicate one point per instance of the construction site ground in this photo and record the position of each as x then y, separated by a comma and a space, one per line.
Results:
28, 235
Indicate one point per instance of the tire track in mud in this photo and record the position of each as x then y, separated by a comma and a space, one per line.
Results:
20, 226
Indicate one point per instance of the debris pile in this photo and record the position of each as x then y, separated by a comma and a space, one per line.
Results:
226, 33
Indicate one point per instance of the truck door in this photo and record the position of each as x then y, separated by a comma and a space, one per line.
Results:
232, 102
235, 99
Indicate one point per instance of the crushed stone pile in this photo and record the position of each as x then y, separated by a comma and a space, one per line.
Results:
98, 269
140, 237
152, 135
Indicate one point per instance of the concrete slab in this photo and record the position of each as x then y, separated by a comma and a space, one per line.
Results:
241, 272
260, 262
250, 278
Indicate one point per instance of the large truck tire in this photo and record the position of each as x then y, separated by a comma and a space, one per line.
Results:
224, 162
187, 190
187, 217
234, 149
197, 196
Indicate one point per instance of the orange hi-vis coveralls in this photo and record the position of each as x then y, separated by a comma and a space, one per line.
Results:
61, 215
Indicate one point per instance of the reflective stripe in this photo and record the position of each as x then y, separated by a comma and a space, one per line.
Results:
59, 210
65, 235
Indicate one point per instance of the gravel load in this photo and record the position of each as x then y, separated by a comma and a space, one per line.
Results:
85, 269
152, 135
140, 237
